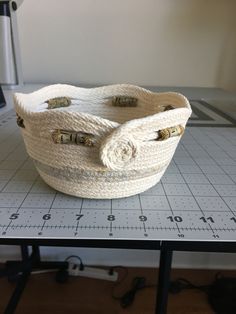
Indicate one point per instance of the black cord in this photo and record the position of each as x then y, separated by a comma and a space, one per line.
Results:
180, 284
128, 297
119, 281
62, 275
81, 267
139, 283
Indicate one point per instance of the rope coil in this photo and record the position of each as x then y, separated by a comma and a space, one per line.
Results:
133, 135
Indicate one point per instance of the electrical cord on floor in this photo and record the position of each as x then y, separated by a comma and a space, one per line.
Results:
81, 267
62, 275
221, 293
128, 297
180, 284
120, 280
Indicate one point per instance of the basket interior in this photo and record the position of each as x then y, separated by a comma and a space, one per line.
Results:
117, 103
105, 109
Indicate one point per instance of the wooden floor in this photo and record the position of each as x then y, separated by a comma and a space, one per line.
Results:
88, 296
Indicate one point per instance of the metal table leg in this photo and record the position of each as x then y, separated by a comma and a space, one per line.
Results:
163, 280
25, 267
2, 98
27, 264
24, 252
15, 298
36, 252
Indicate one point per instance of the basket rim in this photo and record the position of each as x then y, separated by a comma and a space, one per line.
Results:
24, 102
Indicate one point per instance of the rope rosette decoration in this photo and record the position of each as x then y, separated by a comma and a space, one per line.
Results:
118, 152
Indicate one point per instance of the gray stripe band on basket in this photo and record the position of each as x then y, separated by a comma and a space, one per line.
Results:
72, 174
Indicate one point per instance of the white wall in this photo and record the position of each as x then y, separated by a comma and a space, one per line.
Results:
227, 68
146, 42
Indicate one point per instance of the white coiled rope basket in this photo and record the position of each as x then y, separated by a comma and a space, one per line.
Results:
104, 142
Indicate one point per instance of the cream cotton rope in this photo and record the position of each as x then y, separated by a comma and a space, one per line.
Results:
104, 142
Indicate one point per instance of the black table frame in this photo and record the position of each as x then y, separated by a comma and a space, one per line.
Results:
29, 262
2, 98
167, 249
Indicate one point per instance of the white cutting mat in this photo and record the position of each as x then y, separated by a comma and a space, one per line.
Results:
195, 200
